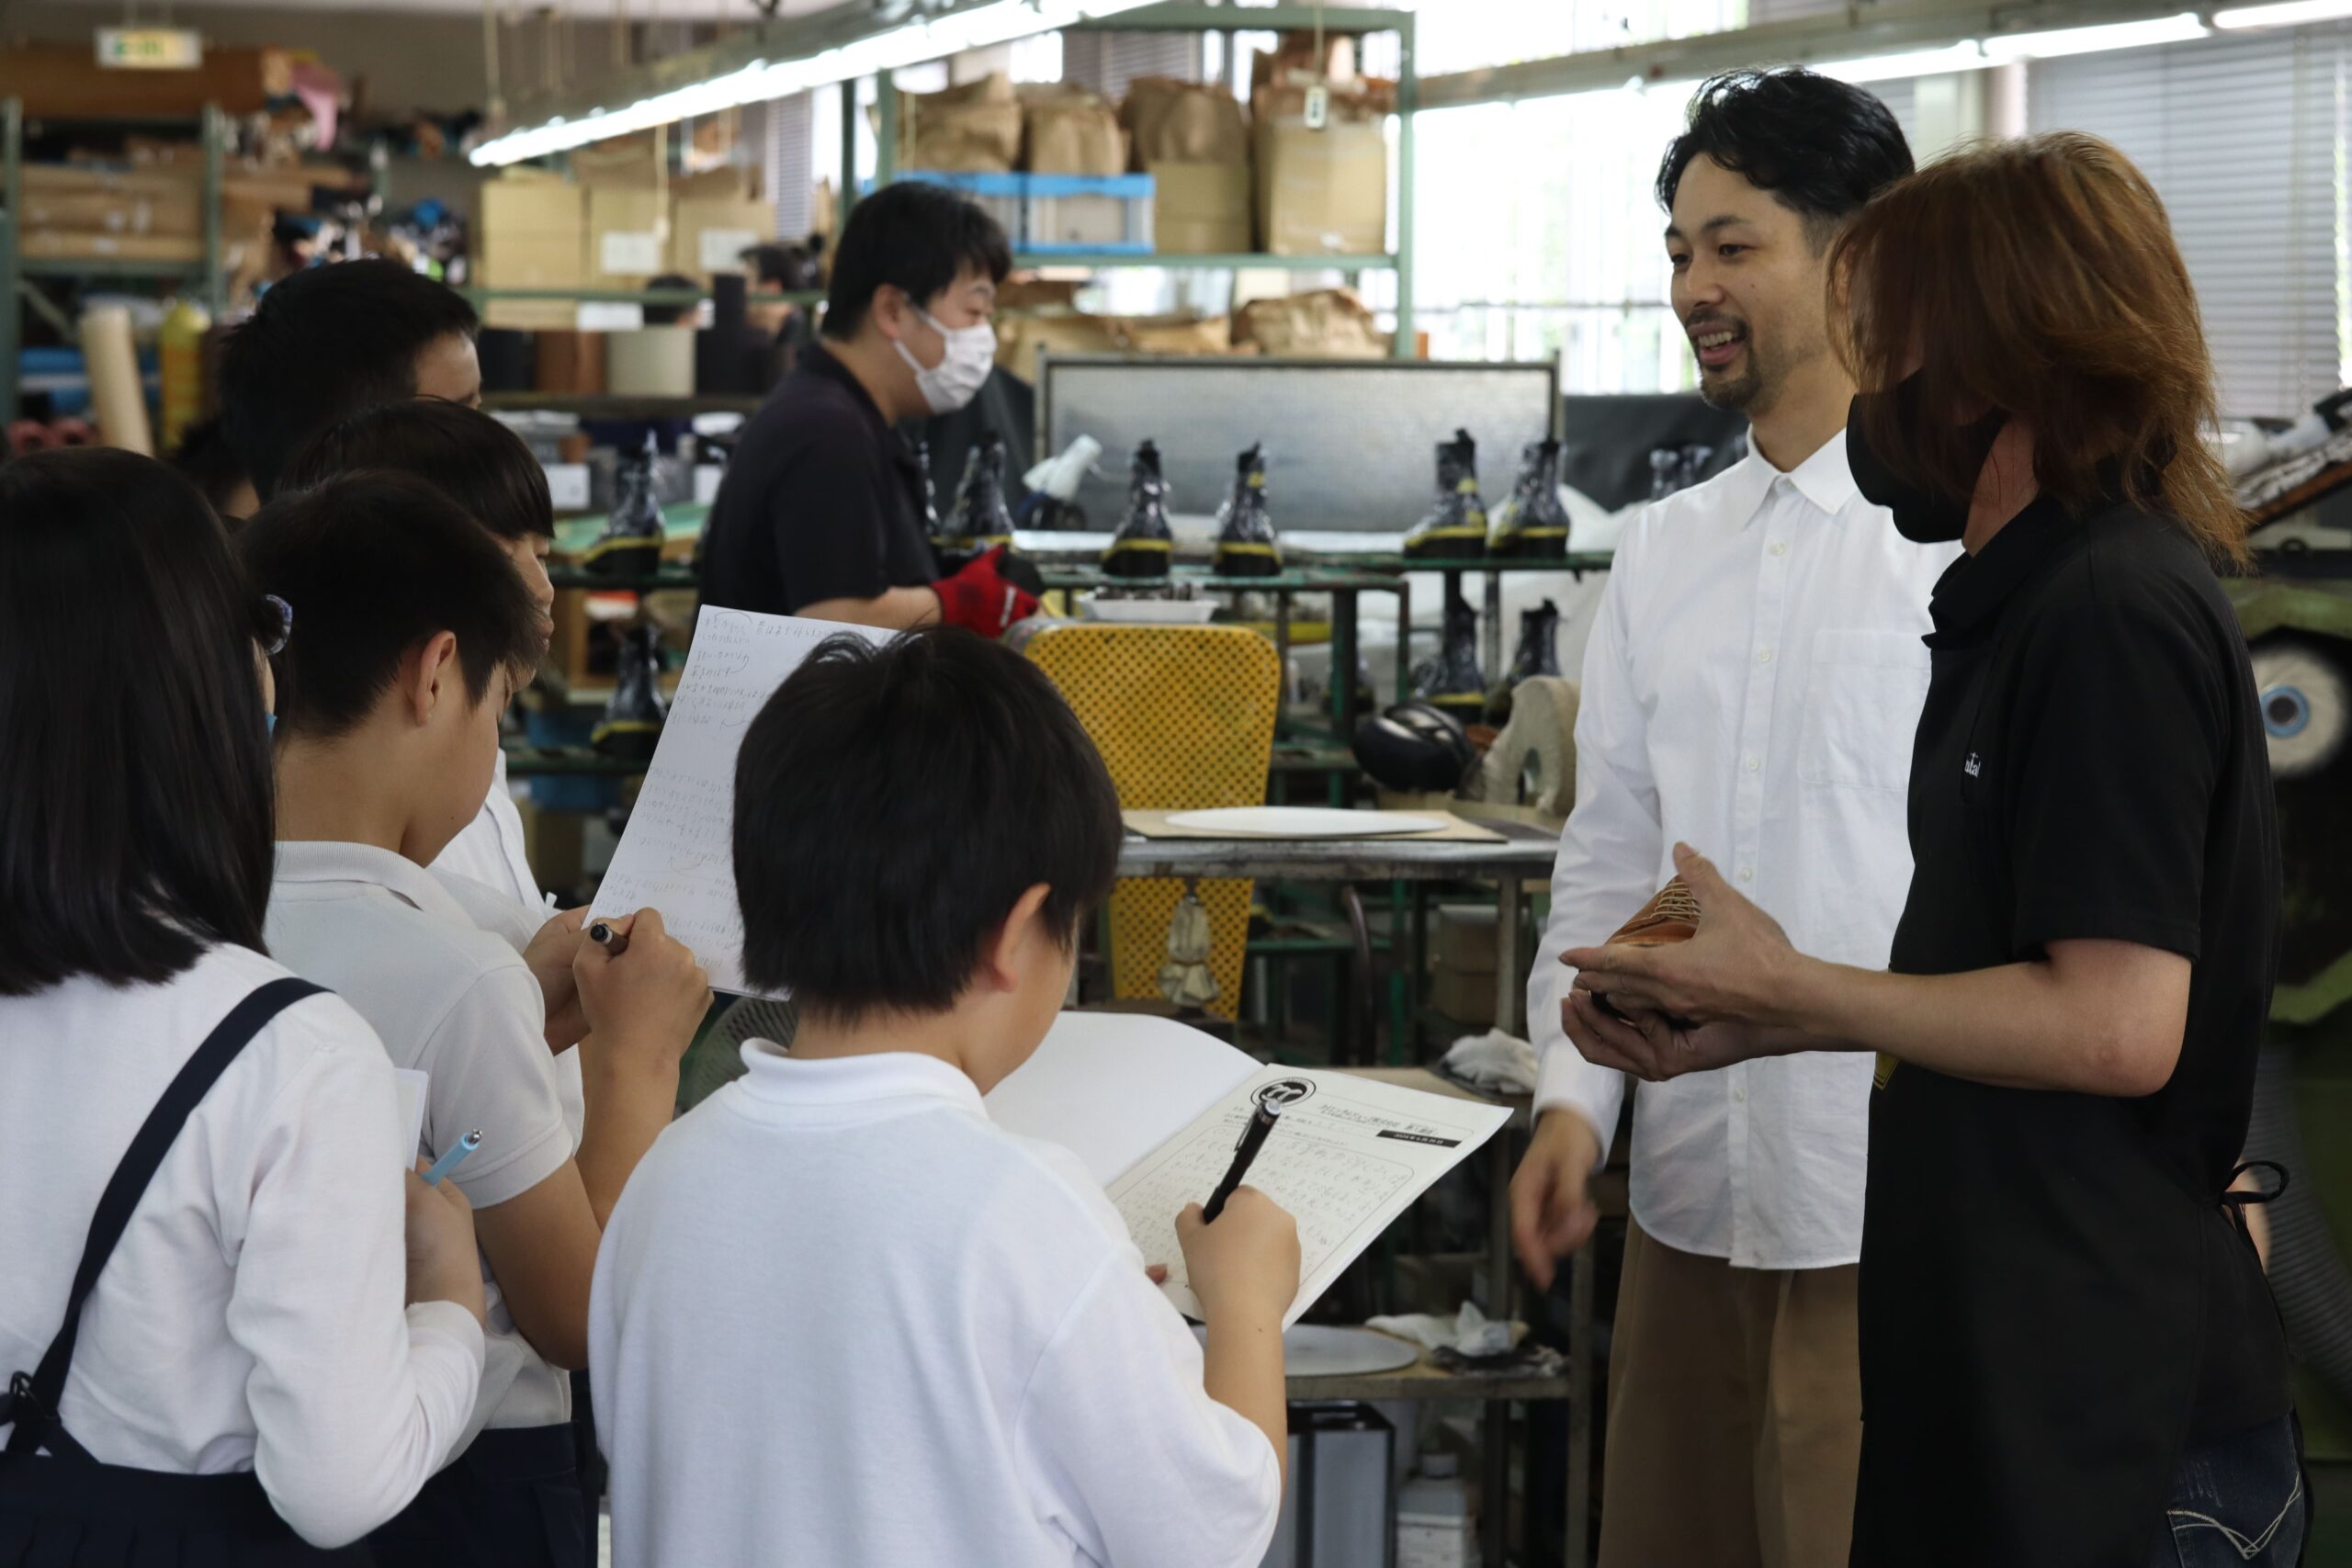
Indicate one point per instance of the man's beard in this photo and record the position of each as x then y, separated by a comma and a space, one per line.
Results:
1736, 393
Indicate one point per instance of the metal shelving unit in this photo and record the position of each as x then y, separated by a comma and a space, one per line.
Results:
16, 267
1184, 16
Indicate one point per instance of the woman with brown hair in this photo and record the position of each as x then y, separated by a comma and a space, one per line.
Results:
2069, 1355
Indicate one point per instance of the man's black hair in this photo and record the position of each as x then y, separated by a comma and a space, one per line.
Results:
135, 781
375, 565
321, 346
917, 236
1822, 147
464, 453
203, 456
891, 807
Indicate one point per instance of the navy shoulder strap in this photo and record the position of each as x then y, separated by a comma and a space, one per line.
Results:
32, 1401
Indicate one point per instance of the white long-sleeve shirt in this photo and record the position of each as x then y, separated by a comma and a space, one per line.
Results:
250, 1318
840, 1317
1752, 686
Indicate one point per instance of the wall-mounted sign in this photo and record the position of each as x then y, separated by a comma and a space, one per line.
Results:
151, 49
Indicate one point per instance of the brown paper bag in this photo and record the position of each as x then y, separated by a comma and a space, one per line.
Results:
1071, 131
1183, 122
1330, 323
971, 130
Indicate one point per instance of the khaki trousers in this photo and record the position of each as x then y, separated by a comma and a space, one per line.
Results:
1734, 1415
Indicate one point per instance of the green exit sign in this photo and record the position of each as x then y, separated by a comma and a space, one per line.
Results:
149, 49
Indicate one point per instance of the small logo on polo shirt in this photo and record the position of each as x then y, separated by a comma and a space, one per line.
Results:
1974, 766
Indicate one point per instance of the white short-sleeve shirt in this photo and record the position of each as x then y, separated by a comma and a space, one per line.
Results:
457, 1002
250, 1317
840, 1316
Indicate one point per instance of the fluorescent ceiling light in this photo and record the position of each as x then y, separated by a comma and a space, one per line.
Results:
1966, 55
2291, 13
952, 32
2005, 47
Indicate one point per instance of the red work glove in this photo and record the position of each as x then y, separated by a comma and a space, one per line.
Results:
988, 596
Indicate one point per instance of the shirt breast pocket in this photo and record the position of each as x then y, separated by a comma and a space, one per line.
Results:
1862, 694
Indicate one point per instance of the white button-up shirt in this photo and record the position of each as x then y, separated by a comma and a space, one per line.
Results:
1752, 686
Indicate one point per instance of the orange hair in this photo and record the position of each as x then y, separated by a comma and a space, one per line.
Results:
2038, 277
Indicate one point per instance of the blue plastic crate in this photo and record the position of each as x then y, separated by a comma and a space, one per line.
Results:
1000, 196
1103, 214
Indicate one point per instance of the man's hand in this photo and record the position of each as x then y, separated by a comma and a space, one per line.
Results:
549, 956
1550, 1214
1739, 968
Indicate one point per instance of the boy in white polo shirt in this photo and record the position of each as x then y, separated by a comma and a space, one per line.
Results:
839, 1317
410, 626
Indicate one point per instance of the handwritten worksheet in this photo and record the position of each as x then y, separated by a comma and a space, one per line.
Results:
1347, 1156
677, 854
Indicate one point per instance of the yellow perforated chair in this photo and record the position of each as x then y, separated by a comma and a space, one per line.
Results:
1184, 718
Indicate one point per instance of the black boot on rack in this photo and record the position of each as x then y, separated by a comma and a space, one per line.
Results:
1539, 654
1245, 537
1455, 528
631, 723
1451, 681
1533, 524
630, 545
1143, 546
980, 520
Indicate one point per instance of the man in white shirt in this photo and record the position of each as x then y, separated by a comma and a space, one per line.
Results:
1752, 684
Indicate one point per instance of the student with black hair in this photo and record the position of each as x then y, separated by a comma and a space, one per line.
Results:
1752, 684
390, 692
232, 1347
328, 342
821, 512
486, 469
944, 1348
203, 456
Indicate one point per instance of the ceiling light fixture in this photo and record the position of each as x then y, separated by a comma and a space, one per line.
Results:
1965, 55
910, 43
2291, 13
2060, 43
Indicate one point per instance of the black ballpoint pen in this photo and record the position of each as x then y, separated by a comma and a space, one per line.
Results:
1253, 1138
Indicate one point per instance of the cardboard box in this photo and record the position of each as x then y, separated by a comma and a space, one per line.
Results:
625, 243
66, 196
707, 234
1462, 995
1322, 192
67, 244
530, 232
1200, 209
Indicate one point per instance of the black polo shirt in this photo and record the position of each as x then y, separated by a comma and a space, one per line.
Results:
2054, 1300
822, 501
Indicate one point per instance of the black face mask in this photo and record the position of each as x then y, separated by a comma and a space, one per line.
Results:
1922, 516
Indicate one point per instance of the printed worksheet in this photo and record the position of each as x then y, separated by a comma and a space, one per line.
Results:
1347, 1157
677, 854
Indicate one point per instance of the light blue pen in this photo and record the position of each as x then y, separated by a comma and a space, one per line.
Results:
454, 1158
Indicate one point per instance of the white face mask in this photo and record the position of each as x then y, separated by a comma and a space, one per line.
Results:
957, 378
